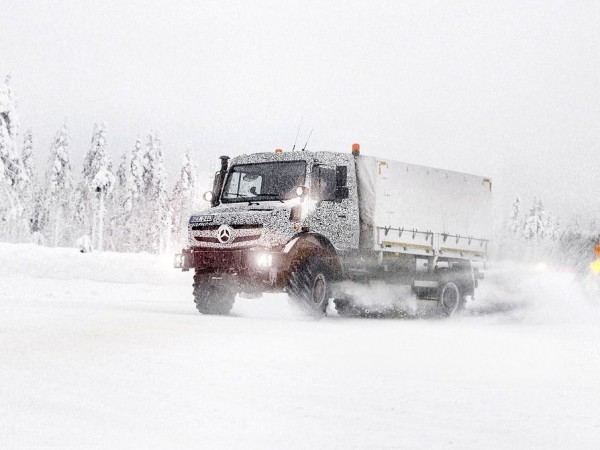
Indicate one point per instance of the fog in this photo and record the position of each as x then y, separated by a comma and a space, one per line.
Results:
503, 89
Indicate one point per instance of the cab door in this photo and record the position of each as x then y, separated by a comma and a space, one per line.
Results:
333, 213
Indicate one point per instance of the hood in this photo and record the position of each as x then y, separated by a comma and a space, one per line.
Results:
240, 225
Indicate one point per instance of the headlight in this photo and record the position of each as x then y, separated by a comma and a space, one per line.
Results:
264, 260
208, 196
179, 261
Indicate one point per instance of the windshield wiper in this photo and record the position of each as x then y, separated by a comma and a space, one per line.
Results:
270, 195
233, 194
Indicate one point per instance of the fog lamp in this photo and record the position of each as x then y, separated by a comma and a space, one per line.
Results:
264, 260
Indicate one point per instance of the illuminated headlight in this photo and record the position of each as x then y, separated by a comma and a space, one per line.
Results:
264, 260
208, 196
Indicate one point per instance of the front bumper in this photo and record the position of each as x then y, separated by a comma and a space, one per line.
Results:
257, 264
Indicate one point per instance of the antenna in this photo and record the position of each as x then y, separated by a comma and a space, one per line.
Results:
309, 134
296, 140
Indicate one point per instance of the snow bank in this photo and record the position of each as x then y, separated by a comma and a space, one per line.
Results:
69, 263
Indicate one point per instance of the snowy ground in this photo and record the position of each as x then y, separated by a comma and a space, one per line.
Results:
108, 351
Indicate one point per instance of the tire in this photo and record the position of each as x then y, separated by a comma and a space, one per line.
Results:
310, 286
450, 298
213, 300
348, 308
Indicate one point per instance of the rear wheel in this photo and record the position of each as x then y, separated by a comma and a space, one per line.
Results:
346, 307
216, 300
450, 298
310, 286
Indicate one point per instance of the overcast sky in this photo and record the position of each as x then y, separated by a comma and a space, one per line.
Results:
505, 89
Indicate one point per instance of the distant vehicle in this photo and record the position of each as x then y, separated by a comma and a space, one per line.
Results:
591, 277
302, 222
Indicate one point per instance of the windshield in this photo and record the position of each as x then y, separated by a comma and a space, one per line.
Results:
264, 181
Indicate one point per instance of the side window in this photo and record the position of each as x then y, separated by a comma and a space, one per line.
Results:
323, 183
233, 187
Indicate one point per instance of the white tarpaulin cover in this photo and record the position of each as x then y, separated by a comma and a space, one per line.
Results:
401, 196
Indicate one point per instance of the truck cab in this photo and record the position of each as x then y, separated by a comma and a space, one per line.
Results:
270, 213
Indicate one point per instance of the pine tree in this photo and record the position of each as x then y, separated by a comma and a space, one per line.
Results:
95, 158
11, 172
155, 196
119, 211
27, 155
99, 180
121, 174
535, 222
137, 170
59, 187
182, 198
102, 185
81, 210
515, 223
134, 226
551, 227
29, 183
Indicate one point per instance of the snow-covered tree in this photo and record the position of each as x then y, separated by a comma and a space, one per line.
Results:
120, 205
11, 171
515, 222
135, 226
551, 227
27, 155
99, 180
183, 198
28, 185
136, 174
535, 222
121, 174
155, 197
59, 187
130, 216
96, 158
102, 185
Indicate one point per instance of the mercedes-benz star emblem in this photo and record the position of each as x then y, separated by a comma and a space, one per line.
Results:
224, 234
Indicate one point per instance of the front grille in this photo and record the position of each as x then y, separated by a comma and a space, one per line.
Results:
205, 227
251, 226
214, 240
242, 233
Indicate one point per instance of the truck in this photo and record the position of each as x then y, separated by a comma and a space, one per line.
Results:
313, 224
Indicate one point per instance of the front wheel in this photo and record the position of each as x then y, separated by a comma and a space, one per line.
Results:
310, 286
214, 300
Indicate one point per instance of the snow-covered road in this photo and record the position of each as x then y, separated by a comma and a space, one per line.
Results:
108, 351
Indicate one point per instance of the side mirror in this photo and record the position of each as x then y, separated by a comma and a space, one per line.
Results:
341, 176
341, 180
341, 193
208, 196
